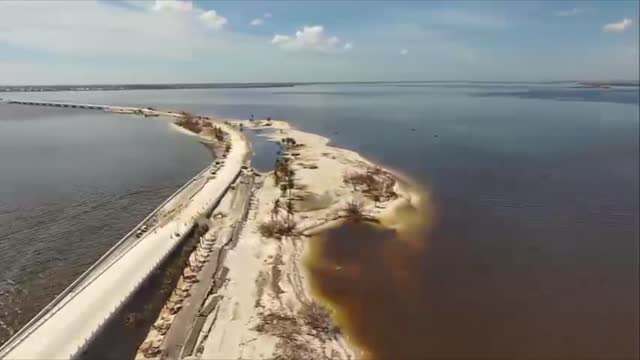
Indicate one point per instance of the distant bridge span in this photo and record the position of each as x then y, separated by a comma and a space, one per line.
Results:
60, 104
110, 108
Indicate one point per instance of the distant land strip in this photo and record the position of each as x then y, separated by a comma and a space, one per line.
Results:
178, 86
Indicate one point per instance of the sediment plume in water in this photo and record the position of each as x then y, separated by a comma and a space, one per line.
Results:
367, 273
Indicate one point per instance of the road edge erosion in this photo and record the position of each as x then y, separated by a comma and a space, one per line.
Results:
243, 290
151, 241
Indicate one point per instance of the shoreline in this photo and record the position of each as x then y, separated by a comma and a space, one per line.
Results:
257, 299
67, 326
264, 305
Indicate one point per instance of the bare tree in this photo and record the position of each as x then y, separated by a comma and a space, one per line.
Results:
354, 210
275, 210
290, 209
290, 185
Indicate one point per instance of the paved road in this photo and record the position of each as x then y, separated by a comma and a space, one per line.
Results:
180, 329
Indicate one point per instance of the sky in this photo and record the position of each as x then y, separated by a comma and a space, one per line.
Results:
166, 41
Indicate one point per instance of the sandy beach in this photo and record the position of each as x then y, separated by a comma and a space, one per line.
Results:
253, 294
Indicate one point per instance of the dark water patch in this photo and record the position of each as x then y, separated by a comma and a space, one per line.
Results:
368, 275
265, 150
456, 298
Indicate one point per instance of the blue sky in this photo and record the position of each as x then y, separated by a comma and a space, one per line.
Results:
106, 41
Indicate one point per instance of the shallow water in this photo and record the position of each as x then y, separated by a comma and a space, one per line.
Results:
534, 252
72, 183
265, 150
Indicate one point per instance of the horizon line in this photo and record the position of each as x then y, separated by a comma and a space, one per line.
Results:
293, 83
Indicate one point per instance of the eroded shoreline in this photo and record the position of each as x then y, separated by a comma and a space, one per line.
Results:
244, 290
266, 306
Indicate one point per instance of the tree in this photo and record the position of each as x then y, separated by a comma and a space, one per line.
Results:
376, 199
276, 172
354, 210
276, 178
275, 210
290, 184
290, 209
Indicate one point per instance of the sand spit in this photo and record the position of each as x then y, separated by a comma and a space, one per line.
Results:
258, 302
244, 291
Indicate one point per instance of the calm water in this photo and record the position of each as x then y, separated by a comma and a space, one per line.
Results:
535, 248
265, 151
72, 183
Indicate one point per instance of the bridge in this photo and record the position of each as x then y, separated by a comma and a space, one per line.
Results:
110, 108
65, 327
60, 104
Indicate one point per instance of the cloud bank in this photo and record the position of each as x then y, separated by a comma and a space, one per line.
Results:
212, 19
311, 38
621, 26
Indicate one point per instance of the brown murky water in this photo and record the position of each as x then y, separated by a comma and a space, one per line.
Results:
411, 293
534, 253
367, 273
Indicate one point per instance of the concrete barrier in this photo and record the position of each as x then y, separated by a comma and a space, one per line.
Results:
177, 242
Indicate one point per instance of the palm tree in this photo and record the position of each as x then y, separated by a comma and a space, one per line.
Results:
290, 209
275, 210
276, 177
376, 199
290, 184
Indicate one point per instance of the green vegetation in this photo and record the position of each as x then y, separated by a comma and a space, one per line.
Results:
196, 125
188, 122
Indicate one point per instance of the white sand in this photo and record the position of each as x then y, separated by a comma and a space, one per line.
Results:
267, 276
262, 313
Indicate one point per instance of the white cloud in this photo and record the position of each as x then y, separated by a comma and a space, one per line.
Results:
311, 38
570, 12
619, 26
260, 21
173, 5
404, 51
212, 19
280, 39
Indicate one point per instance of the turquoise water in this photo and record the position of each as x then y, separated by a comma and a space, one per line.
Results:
535, 249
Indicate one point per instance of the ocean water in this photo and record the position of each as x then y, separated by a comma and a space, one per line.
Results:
534, 248
72, 183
